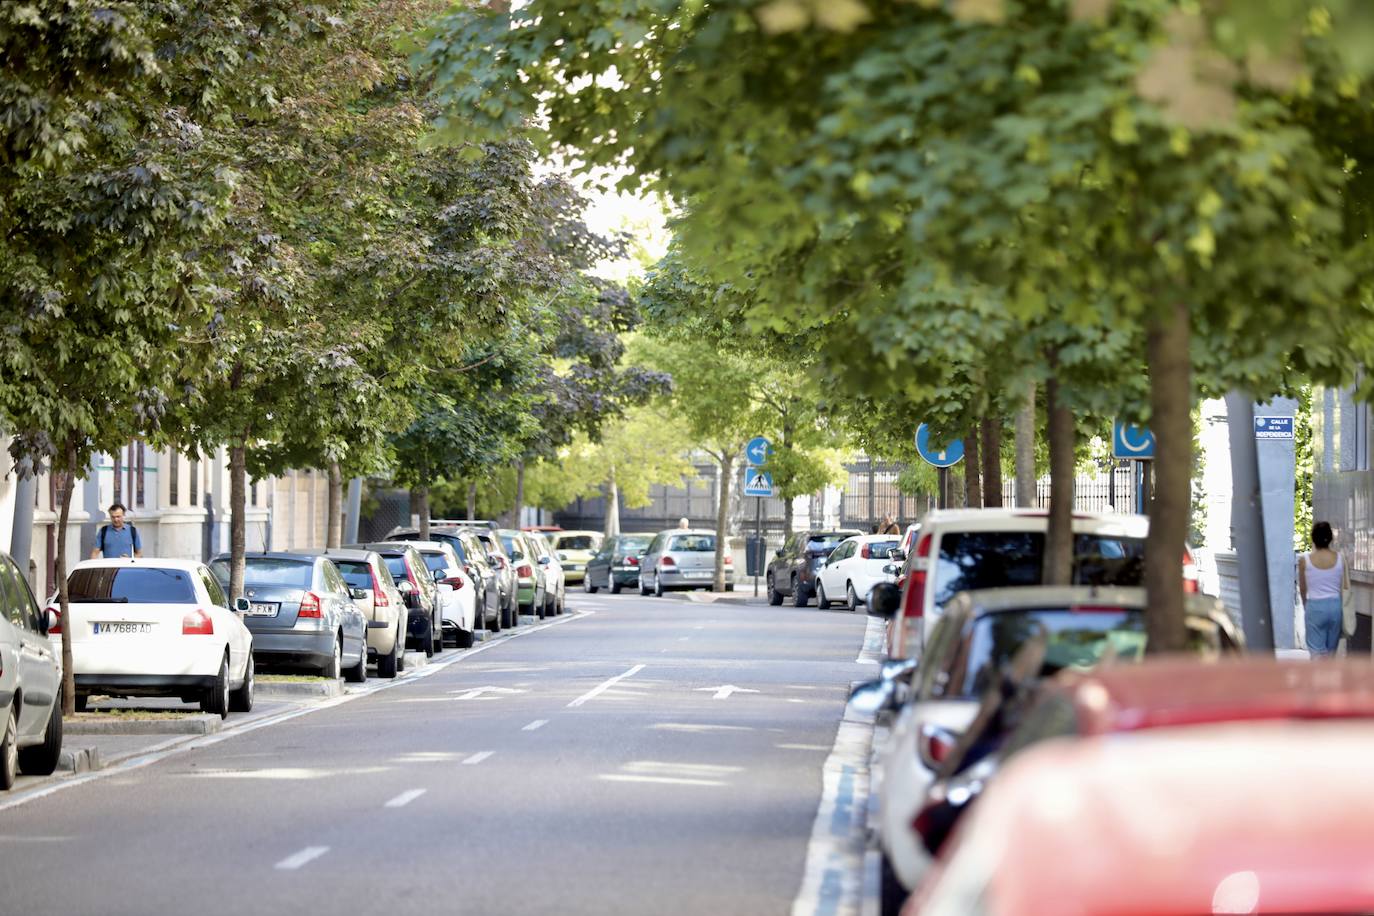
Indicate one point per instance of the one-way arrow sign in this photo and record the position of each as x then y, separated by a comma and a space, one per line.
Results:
476, 693
724, 691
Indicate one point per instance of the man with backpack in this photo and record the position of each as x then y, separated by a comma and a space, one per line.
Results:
117, 539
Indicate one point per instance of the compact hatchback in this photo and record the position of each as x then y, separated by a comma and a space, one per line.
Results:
424, 619
682, 558
792, 571
575, 550
616, 564
853, 568
381, 603
30, 683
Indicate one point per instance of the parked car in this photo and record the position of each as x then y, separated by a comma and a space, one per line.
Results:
530, 581
1161, 693
616, 564
156, 627
424, 620
505, 575
301, 613
485, 577
965, 549
792, 571
682, 558
1256, 817
555, 580
30, 682
854, 567
382, 604
575, 550
976, 640
456, 591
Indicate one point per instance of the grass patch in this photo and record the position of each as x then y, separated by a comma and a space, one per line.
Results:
121, 712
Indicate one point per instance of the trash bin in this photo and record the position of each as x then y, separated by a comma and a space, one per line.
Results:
754, 552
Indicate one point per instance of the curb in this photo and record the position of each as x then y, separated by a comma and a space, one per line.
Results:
195, 724
80, 760
310, 689
715, 598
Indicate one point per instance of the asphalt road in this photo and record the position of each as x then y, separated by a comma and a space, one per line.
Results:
600, 765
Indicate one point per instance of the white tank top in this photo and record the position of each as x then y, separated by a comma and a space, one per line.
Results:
1324, 583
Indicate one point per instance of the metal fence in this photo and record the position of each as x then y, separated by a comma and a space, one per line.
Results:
1103, 492
871, 493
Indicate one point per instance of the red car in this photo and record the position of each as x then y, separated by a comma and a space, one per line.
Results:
1193, 789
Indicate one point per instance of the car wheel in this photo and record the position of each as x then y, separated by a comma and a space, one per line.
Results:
334, 667
358, 673
615, 587
386, 664
891, 893
436, 635
658, 586
464, 640
9, 750
400, 647
774, 596
822, 602
851, 598
643, 589
216, 699
587, 585
41, 759
241, 700
799, 595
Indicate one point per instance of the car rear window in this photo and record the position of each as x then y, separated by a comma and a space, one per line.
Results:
435, 561
576, 542
879, 549
827, 541
397, 567
1074, 639
996, 559
692, 543
629, 546
278, 571
132, 584
357, 573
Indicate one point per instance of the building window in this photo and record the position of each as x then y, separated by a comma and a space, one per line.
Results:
195, 483
137, 469
173, 477
253, 494
118, 477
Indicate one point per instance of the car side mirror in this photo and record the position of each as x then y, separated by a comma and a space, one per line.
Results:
41, 622
896, 554
404, 587
357, 594
440, 575
873, 697
545, 561
242, 605
884, 600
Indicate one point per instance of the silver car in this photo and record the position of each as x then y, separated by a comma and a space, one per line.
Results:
30, 683
382, 603
682, 558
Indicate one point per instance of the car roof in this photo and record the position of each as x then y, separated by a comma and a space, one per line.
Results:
1176, 691
298, 555
384, 547
1032, 520
1015, 598
1162, 822
145, 562
344, 553
870, 538
425, 546
577, 532
687, 531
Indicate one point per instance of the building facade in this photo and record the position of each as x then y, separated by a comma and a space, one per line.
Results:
1343, 492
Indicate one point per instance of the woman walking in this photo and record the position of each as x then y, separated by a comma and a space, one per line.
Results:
1322, 577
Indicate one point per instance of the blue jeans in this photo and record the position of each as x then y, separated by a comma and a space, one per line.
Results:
1323, 625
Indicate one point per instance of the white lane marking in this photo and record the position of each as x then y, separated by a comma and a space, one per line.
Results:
724, 690
802, 747
476, 693
698, 628
405, 798
874, 648
288, 774
478, 757
305, 856
670, 766
537, 723
699, 727
604, 686
661, 780
832, 882
683, 638
424, 757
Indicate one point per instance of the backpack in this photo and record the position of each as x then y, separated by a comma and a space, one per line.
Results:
133, 537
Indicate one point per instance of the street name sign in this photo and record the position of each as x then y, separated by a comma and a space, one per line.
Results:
758, 450
1136, 443
1273, 427
757, 482
945, 457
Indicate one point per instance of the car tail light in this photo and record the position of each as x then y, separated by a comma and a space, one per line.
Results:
667, 561
524, 571
914, 596
1190, 583
379, 598
934, 744
729, 560
310, 606
197, 623
54, 620
632, 561
455, 581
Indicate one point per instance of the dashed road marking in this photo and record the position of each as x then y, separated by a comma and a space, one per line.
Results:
604, 686
304, 857
537, 723
478, 757
405, 798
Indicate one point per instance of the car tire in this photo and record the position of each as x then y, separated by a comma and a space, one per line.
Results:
400, 647
358, 673
851, 597
643, 589
83, 701
891, 893
241, 700
658, 586
386, 664
333, 668
615, 587
774, 596
799, 596
587, 585
216, 699
41, 759
436, 634
822, 602
9, 750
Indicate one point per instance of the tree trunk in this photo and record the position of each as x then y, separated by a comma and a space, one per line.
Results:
1059, 540
472, 501
1171, 396
973, 488
419, 504
612, 506
727, 471
519, 509
1025, 451
991, 450
64, 513
238, 505
334, 529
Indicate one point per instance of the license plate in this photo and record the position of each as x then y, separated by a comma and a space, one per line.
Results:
698, 573
118, 627
260, 609
576, 567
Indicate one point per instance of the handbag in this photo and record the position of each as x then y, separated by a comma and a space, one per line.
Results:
1347, 610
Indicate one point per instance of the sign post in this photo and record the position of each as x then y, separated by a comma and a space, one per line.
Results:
1137, 445
942, 458
759, 484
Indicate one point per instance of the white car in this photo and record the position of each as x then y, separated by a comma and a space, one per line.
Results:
156, 627
854, 567
555, 579
30, 683
457, 594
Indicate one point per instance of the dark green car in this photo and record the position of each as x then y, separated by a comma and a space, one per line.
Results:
616, 564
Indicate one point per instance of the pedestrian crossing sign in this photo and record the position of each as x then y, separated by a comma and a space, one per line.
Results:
757, 482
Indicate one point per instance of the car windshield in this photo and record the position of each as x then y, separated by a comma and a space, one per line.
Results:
996, 559
357, 573
827, 541
692, 543
132, 584
577, 542
1074, 639
274, 571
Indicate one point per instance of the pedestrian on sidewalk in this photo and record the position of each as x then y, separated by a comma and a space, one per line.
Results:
683, 524
117, 539
888, 526
1323, 582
